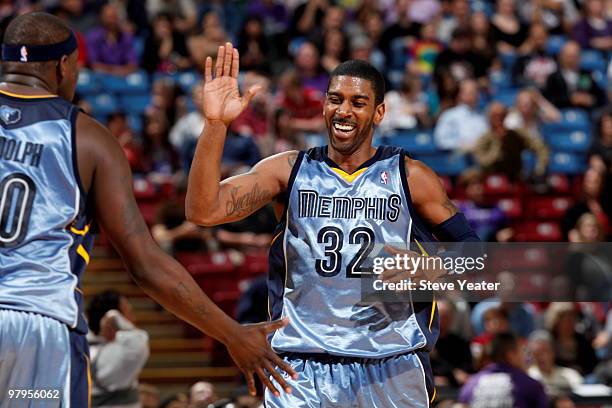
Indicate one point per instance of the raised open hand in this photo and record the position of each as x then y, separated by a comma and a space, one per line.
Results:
222, 100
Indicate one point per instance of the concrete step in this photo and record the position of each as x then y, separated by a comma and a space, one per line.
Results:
176, 344
174, 359
188, 375
107, 276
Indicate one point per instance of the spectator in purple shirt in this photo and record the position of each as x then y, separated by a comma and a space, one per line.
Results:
273, 13
504, 383
594, 30
111, 49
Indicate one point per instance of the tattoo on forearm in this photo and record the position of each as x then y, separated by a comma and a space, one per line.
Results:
451, 207
242, 204
183, 294
131, 221
291, 159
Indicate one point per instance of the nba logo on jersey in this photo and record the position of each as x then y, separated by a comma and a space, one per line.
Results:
24, 54
384, 177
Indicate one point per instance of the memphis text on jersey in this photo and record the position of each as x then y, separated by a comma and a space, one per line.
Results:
312, 204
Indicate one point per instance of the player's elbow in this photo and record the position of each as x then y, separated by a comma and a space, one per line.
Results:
200, 218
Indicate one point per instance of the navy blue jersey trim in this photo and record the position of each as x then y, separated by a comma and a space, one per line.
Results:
75, 163
421, 228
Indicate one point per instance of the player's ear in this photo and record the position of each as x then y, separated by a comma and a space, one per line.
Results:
379, 114
62, 69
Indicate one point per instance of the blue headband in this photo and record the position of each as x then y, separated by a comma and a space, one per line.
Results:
39, 53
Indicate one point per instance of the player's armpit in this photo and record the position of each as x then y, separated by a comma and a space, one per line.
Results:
240, 196
428, 195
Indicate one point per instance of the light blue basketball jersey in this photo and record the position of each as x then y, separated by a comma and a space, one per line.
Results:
323, 251
44, 228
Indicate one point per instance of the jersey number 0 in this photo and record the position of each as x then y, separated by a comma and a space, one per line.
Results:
16, 197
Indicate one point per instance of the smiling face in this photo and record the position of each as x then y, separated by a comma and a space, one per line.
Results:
350, 113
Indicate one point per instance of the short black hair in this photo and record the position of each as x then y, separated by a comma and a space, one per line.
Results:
99, 305
365, 70
33, 29
501, 345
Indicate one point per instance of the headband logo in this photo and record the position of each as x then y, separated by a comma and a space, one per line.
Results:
24, 54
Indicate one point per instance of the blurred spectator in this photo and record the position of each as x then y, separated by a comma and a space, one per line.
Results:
202, 395
307, 16
562, 401
373, 28
334, 49
308, 65
458, 19
179, 400
424, 11
109, 47
239, 153
589, 267
485, 218
534, 64
71, 11
602, 145
459, 59
556, 15
556, 380
529, 112
494, 321
569, 86
252, 234
460, 127
363, 49
303, 105
253, 303
425, 49
400, 30
166, 99
254, 120
186, 131
572, 349
500, 149
483, 38
591, 201
206, 43
407, 107
253, 46
504, 383
451, 359
149, 396
160, 159
183, 11
165, 49
594, 30
508, 30
520, 315
118, 125
172, 232
447, 90
118, 351
273, 13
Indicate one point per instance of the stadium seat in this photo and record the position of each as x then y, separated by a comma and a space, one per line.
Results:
135, 123
254, 264
498, 184
414, 141
519, 257
88, 83
512, 207
135, 104
186, 80
134, 83
573, 141
102, 104
446, 164
592, 60
534, 231
507, 59
567, 163
217, 262
559, 184
500, 80
548, 208
506, 96
555, 43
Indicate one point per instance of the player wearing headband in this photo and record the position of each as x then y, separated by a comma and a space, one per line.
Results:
59, 171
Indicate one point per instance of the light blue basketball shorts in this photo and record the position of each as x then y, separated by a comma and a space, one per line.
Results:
337, 382
43, 364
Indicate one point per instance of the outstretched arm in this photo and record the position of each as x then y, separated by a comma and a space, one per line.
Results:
210, 201
160, 276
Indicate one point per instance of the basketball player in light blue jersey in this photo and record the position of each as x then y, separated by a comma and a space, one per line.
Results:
334, 204
59, 171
